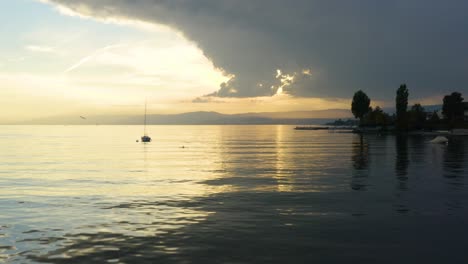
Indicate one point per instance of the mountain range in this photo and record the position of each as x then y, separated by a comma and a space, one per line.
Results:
199, 118
210, 118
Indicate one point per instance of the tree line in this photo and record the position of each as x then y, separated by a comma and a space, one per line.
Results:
416, 118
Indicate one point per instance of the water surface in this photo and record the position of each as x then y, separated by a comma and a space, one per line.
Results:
229, 194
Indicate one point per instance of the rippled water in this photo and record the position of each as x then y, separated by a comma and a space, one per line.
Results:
229, 194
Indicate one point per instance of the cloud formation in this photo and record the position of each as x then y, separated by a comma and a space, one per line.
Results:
329, 48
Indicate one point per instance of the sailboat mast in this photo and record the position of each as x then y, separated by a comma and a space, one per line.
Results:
144, 128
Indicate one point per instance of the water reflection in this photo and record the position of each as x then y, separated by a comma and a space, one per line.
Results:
401, 159
418, 147
454, 172
262, 227
401, 172
242, 194
360, 158
454, 162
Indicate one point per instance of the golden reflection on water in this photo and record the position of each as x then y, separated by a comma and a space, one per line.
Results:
104, 161
284, 179
79, 191
72, 161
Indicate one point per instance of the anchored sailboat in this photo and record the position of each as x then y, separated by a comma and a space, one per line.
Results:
145, 137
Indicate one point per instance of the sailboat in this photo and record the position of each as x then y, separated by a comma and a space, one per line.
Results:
145, 137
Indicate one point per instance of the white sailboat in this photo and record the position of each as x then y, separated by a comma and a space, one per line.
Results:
145, 137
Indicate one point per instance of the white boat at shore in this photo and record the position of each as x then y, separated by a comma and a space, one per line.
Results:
439, 140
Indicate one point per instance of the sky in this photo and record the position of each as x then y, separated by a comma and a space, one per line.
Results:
64, 57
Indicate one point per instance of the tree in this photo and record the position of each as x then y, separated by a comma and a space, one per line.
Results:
417, 116
377, 117
434, 121
402, 106
435, 118
452, 108
360, 105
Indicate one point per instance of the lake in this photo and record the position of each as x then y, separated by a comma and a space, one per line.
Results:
229, 194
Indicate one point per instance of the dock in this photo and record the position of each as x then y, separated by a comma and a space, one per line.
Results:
310, 128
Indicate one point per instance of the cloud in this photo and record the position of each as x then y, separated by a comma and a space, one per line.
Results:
91, 56
207, 99
202, 100
17, 59
43, 49
344, 45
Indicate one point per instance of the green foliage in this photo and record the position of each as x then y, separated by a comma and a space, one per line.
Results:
417, 108
434, 118
452, 108
417, 117
377, 117
401, 107
360, 104
434, 122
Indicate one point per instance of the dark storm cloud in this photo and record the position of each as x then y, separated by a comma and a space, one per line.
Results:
347, 45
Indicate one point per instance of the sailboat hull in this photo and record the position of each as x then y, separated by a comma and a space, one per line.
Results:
145, 139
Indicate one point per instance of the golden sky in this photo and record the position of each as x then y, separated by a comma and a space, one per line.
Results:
54, 62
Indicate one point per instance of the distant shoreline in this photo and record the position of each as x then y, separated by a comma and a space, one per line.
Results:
252, 124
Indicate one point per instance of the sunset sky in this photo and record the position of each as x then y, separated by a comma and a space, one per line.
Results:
61, 57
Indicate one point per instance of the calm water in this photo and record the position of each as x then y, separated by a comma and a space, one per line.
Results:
233, 194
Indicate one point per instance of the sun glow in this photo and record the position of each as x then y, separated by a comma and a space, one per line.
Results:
68, 62
83, 63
